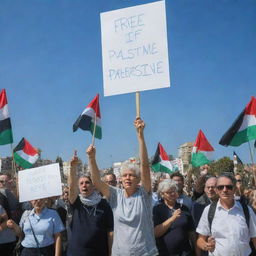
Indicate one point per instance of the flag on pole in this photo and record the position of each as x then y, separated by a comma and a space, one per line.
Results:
236, 158
5, 121
161, 162
244, 127
86, 120
25, 154
202, 151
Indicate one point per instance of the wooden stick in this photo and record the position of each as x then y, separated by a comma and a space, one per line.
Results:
14, 167
94, 129
137, 104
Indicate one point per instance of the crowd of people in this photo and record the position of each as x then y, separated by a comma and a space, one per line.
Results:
137, 215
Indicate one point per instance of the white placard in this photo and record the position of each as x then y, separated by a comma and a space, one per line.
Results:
135, 49
40, 182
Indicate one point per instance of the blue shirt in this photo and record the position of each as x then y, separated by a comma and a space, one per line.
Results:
45, 225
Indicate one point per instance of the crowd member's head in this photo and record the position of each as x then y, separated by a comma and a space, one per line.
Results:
5, 180
110, 179
168, 190
130, 176
226, 183
210, 188
239, 185
179, 179
252, 199
39, 204
85, 185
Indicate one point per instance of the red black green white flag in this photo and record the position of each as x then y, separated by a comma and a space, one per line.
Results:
5, 121
25, 154
244, 127
202, 151
86, 120
161, 161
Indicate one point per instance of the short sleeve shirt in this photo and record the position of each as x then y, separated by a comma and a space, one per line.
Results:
133, 232
229, 229
7, 235
89, 228
44, 225
176, 239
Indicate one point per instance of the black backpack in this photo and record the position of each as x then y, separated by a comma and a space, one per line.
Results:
211, 214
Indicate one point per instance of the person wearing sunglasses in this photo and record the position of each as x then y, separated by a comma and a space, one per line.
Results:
228, 233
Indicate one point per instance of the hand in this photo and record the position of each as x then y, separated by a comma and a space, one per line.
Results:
139, 125
210, 244
176, 214
74, 160
11, 224
91, 151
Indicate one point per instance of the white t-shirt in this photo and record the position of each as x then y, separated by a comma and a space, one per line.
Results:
229, 229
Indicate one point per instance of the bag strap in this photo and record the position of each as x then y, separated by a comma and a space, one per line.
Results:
33, 232
246, 212
211, 214
212, 210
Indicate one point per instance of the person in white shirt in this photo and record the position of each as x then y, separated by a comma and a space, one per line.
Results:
229, 233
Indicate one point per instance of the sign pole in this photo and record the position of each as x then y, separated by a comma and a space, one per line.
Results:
137, 104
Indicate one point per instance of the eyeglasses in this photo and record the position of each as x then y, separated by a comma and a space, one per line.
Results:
211, 187
238, 180
2, 181
221, 187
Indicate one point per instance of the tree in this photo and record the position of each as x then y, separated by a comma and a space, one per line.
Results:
224, 164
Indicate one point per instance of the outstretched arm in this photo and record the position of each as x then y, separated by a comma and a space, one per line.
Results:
96, 180
144, 164
73, 180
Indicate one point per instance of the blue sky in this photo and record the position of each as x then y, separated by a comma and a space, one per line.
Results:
51, 67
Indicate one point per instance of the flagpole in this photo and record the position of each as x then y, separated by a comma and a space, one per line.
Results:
253, 171
14, 167
137, 104
94, 129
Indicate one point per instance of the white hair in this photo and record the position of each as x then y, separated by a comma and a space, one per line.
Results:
127, 165
167, 185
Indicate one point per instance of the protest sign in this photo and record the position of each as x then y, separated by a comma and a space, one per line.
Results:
134, 49
40, 182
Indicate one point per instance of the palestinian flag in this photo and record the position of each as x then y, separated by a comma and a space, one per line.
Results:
5, 121
161, 162
86, 120
236, 158
202, 150
25, 154
244, 127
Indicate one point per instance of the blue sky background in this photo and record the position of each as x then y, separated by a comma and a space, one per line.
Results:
51, 67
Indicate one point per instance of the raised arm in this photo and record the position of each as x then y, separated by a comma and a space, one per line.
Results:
96, 180
73, 180
144, 164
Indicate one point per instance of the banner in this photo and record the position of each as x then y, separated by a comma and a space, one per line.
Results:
134, 49
40, 182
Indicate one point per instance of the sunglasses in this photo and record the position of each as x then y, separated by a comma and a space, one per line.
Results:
221, 187
238, 180
2, 181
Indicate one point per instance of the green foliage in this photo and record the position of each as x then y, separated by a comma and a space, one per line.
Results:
224, 164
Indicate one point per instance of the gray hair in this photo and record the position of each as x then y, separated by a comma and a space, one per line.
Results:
167, 185
127, 165
85, 176
228, 175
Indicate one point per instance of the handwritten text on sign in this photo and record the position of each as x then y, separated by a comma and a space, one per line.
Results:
40, 182
134, 49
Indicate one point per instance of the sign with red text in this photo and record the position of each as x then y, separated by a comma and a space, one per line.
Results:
39, 182
134, 49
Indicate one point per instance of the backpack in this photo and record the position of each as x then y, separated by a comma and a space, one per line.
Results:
211, 214
212, 210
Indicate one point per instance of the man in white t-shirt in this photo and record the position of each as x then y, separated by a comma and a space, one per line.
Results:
229, 233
